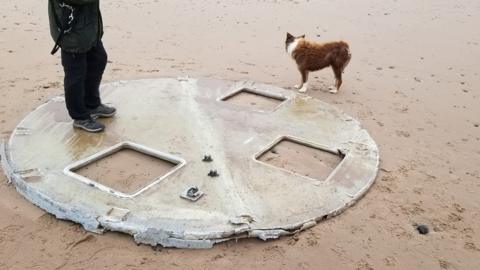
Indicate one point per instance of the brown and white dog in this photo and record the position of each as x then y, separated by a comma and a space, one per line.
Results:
312, 56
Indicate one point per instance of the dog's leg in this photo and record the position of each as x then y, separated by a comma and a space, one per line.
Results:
304, 86
338, 79
298, 86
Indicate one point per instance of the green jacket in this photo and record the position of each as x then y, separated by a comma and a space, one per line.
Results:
85, 29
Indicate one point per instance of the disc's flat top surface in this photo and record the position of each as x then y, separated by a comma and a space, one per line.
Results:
178, 122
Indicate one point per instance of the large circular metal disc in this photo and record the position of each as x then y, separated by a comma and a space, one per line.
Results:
181, 121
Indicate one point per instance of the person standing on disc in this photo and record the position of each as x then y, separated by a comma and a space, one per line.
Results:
76, 27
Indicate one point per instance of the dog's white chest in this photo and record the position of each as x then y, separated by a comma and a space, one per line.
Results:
291, 47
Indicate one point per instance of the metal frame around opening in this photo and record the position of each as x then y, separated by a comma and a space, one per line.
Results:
306, 143
283, 99
69, 170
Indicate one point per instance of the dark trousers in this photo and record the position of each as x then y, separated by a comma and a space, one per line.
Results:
83, 74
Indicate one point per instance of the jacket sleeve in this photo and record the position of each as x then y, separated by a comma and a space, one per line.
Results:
79, 2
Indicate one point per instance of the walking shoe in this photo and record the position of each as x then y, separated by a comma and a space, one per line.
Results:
103, 111
89, 125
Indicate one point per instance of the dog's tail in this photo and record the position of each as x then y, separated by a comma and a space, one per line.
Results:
341, 56
344, 56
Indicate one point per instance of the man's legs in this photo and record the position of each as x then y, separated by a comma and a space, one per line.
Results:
75, 68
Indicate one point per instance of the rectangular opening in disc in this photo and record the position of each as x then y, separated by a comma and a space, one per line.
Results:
126, 170
301, 158
254, 99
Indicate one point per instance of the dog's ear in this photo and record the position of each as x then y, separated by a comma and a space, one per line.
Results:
290, 36
302, 36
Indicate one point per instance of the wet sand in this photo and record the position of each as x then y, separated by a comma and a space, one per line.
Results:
413, 82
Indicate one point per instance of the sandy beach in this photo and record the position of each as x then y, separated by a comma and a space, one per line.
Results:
413, 82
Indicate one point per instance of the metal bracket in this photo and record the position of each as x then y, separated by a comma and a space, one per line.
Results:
192, 194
